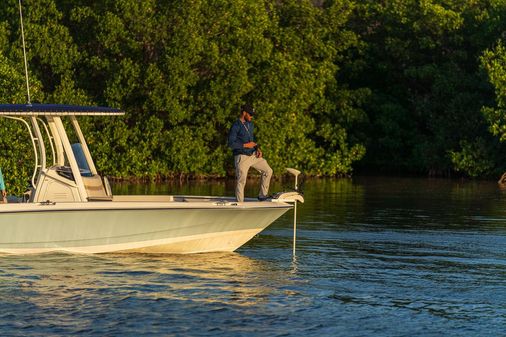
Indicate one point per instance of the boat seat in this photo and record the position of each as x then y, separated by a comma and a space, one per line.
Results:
95, 188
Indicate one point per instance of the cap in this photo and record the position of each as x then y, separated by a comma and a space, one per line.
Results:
248, 108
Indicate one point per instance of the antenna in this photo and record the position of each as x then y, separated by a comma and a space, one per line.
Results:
24, 54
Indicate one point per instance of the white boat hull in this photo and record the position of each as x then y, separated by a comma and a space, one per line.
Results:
147, 227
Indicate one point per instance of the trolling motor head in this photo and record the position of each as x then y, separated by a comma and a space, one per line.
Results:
295, 173
291, 196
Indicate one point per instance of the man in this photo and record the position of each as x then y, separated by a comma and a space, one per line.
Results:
3, 196
247, 154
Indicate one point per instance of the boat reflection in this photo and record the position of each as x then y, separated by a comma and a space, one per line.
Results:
59, 280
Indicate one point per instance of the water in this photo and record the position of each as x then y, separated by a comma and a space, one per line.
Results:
375, 257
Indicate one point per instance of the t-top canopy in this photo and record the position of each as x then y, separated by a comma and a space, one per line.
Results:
56, 110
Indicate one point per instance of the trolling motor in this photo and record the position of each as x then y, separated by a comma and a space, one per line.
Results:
292, 197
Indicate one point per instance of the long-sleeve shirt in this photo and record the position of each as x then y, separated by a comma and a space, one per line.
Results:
241, 133
2, 183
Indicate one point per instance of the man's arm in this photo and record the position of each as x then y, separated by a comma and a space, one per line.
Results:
233, 142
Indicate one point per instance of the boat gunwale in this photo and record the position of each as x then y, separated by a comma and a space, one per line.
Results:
128, 206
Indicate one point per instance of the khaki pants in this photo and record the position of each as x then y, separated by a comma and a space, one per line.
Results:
242, 165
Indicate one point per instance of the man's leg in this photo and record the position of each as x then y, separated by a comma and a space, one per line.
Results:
265, 170
242, 165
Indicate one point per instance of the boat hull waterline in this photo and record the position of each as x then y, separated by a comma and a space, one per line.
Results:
145, 227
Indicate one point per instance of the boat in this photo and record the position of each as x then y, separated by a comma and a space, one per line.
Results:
70, 207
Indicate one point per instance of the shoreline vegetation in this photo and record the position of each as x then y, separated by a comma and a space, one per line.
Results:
341, 86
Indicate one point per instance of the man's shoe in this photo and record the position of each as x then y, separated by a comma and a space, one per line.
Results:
265, 198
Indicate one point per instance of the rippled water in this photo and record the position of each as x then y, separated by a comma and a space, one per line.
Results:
376, 257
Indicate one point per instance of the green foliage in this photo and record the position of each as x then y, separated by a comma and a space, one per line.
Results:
17, 159
398, 85
494, 62
306, 107
473, 159
190, 64
422, 65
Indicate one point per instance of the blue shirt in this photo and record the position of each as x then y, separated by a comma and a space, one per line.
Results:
2, 183
241, 133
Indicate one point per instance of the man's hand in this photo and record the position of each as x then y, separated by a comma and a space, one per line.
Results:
249, 145
259, 153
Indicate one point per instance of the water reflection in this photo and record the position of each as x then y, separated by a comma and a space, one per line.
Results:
375, 257
54, 278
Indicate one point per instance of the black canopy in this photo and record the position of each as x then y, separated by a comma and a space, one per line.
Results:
57, 110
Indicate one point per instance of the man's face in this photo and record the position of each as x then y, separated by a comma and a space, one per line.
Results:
247, 116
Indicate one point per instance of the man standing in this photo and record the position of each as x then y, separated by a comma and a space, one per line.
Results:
3, 196
247, 154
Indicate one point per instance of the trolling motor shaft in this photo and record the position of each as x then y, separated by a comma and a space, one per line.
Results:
294, 197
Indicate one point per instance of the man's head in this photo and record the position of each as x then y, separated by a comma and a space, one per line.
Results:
247, 111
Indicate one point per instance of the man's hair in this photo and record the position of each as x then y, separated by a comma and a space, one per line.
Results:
248, 108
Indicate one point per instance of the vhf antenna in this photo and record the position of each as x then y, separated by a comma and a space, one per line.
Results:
24, 54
